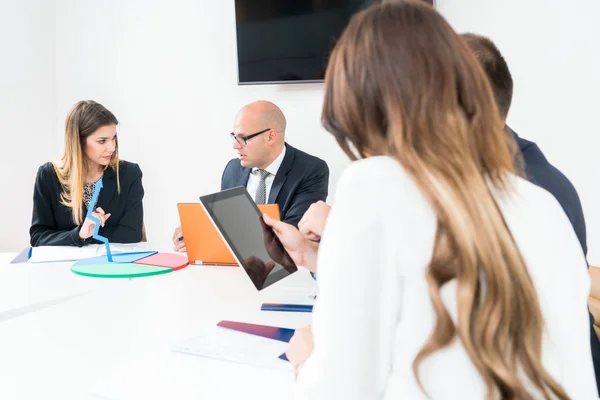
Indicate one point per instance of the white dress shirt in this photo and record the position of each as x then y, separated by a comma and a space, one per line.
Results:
254, 178
374, 312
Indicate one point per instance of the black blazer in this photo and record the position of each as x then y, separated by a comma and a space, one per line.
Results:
301, 180
543, 174
52, 223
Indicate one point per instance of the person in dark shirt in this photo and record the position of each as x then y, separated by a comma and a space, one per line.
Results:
273, 171
64, 190
540, 172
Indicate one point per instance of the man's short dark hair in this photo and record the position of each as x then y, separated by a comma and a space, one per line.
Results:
495, 67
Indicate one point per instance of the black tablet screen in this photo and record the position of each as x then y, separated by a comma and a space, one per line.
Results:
252, 242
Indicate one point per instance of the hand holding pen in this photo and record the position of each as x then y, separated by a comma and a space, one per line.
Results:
178, 240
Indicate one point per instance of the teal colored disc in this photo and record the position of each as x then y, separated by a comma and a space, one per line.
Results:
117, 270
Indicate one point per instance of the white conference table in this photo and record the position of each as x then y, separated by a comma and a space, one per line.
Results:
25, 286
72, 337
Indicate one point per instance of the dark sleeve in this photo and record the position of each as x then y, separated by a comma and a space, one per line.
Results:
43, 230
129, 228
553, 180
569, 200
311, 190
578, 222
575, 214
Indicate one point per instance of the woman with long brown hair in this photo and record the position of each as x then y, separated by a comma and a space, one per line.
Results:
442, 274
64, 189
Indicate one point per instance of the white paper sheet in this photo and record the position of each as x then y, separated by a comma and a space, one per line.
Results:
71, 253
239, 347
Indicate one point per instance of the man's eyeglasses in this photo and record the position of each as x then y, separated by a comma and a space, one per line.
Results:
243, 140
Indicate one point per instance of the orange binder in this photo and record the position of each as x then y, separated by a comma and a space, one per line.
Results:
202, 240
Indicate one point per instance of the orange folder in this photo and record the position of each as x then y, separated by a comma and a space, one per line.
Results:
202, 240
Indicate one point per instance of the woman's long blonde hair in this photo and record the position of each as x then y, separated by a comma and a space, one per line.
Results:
83, 120
402, 83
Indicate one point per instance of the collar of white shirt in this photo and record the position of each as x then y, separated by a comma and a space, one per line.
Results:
274, 167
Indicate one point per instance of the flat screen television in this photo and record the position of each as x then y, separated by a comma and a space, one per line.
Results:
289, 41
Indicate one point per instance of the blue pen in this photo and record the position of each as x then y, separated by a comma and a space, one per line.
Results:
286, 307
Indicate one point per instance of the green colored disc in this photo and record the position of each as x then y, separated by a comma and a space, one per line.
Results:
118, 270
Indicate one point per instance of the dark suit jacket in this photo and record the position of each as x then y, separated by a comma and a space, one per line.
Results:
543, 174
52, 223
301, 180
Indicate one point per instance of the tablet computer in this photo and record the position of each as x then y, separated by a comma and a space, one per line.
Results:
253, 244
204, 245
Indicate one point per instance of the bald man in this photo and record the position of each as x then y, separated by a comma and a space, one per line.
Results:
271, 170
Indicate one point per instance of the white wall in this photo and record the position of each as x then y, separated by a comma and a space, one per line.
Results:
168, 71
27, 110
553, 50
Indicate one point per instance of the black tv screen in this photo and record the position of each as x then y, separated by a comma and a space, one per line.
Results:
288, 40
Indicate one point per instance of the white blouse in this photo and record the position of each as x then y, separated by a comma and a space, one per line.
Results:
374, 313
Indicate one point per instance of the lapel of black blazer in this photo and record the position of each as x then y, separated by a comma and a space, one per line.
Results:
282, 173
109, 187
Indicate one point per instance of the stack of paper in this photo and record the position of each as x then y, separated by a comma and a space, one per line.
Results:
239, 347
70, 253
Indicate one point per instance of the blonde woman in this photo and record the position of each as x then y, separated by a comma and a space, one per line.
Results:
442, 274
63, 190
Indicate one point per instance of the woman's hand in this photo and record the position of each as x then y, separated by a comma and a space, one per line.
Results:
302, 251
300, 347
313, 221
87, 229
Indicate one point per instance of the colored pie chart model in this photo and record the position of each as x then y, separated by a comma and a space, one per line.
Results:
130, 265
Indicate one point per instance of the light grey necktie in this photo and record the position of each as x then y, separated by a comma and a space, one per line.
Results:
261, 190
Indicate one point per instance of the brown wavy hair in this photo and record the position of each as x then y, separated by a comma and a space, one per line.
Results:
402, 83
84, 118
